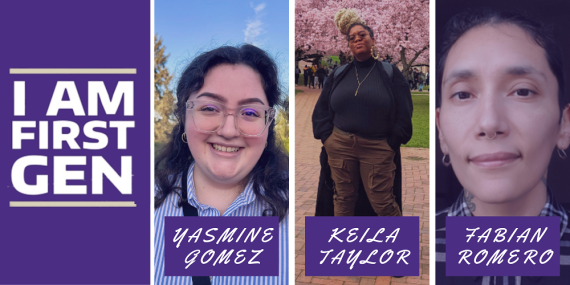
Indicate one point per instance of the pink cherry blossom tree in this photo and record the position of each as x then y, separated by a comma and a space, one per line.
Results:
401, 28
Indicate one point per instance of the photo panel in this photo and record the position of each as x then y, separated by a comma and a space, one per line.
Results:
503, 130
75, 204
221, 200
362, 89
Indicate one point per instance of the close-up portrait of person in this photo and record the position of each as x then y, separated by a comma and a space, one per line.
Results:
362, 117
503, 124
223, 157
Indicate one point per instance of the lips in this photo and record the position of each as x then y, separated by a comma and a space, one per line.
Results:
494, 160
223, 148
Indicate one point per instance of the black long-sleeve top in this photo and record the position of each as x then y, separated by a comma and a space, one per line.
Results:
368, 113
397, 123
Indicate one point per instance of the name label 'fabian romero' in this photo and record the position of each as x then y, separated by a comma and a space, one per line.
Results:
362, 246
221, 246
502, 246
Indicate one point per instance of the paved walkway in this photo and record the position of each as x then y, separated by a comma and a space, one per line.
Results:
415, 196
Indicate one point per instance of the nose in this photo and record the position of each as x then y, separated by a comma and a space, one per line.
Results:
228, 128
491, 114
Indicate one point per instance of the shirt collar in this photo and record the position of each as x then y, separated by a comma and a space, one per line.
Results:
551, 209
246, 197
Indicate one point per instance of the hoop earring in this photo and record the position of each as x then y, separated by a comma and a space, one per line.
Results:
444, 161
184, 139
562, 153
372, 53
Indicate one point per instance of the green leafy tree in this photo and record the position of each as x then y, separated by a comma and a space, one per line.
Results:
282, 124
163, 97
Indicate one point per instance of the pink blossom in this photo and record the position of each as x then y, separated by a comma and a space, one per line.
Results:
401, 27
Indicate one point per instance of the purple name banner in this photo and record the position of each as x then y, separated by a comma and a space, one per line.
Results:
362, 246
502, 246
76, 109
221, 246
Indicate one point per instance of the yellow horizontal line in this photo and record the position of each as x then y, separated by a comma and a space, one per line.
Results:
52, 204
73, 71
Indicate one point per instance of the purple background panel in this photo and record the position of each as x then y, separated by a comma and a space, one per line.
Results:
456, 241
176, 258
76, 245
318, 232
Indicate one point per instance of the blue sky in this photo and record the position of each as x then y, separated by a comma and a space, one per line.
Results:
188, 28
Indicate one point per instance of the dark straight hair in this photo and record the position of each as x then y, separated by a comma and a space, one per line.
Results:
271, 170
540, 33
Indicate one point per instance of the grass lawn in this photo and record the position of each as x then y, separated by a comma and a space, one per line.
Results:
420, 121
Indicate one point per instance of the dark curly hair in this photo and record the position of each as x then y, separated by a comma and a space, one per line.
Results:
270, 172
543, 36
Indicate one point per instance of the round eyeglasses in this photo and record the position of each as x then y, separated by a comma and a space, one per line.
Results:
210, 116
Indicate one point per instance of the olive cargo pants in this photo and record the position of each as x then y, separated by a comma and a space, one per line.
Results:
352, 159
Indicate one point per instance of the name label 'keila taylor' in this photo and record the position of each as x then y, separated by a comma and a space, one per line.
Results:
361, 246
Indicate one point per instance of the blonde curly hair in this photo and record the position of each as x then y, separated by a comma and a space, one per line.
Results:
346, 17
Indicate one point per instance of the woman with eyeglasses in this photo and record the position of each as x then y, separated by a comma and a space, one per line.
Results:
223, 157
362, 117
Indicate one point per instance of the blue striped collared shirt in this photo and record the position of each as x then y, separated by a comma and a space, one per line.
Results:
246, 204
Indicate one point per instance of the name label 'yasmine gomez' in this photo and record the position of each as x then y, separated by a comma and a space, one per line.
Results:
221, 246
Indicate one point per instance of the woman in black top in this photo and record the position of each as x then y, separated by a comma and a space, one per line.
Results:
362, 116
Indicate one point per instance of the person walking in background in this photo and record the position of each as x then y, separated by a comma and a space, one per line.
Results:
415, 79
321, 76
297, 72
312, 72
421, 80
305, 75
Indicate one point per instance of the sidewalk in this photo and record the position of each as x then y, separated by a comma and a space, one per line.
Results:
415, 165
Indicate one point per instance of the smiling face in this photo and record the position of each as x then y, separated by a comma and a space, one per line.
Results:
360, 42
499, 116
227, 156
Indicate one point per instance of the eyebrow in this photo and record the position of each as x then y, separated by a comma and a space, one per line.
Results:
358, 33
464, 74
249, 101
213, 96
221, 99
459, 74
524, 70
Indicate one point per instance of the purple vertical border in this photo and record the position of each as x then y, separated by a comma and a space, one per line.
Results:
76, 245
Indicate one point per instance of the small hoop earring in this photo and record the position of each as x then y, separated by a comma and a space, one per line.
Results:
489, 138
184, 139
562, 153
444, 161
372, 53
